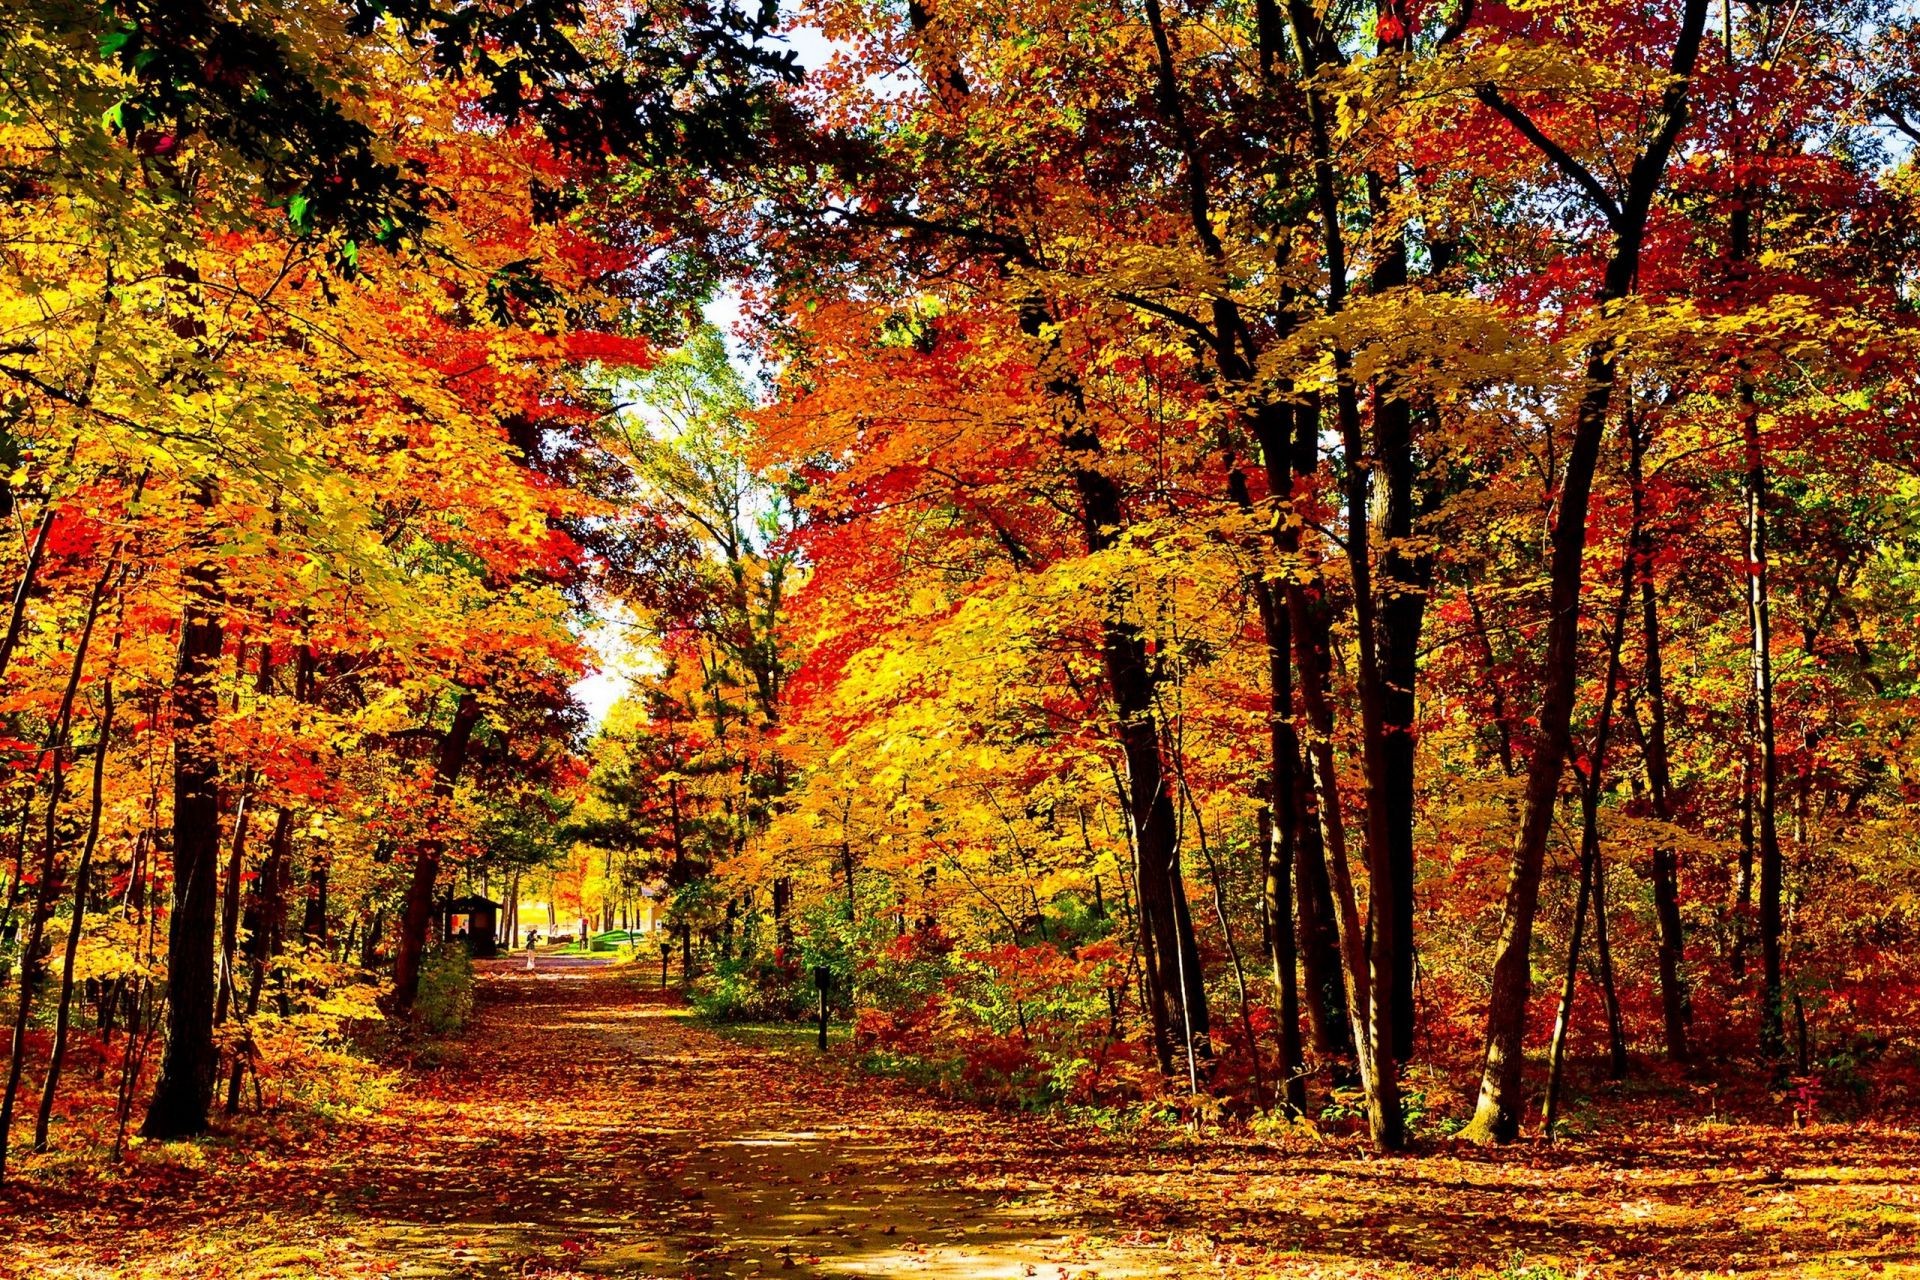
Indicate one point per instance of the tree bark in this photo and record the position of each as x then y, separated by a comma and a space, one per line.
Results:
43, 897
1603, 963
1497, 1112
1675, 1007
82, 882
23, 590
417, 913
265, 928
184, 1093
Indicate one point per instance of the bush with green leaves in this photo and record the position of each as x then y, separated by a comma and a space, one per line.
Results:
445, 1000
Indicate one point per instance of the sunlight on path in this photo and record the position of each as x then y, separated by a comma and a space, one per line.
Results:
595, 1131
586, 1128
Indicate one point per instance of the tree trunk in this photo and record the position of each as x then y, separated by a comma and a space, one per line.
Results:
1773, 1041
1164, 918
82, 880
1276, 848
266, 927
1675, 1007
417, 913
230, 901
23, 590
1563, 1018
1603, 964
782, 918
1743, 874
42, 911
1319, 936
1310, 640
185, 1091
1404, 579
1497, 1113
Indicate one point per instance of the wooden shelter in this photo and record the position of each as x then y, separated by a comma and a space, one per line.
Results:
474, 920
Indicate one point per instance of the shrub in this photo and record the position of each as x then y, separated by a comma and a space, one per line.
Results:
753, 989
445, 1000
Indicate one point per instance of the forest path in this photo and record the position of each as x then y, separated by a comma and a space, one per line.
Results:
597, 1130
583, 1126
586, 1127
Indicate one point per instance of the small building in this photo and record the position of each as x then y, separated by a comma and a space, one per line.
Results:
475, 921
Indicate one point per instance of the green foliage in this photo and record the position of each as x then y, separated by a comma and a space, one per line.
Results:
445, 1001
753, 989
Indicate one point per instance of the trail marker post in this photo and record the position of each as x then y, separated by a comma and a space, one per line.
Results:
823, 979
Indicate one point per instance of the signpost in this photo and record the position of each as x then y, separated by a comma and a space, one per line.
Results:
823, 979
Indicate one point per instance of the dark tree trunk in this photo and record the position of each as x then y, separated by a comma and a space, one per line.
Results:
185, 1090
230, 901
23, 590
1277, 908
31, 957
82, 882
417, 913
1675, 1008
1497, 1113
1163, 900
1743, 881
266, 930
1603, 964
1164, 919
1405, 578
1773, 1040
1319, 938
782, 913
1373, 960
1570, 977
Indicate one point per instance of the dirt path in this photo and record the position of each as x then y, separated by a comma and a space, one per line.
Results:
606, 1134
589, 1129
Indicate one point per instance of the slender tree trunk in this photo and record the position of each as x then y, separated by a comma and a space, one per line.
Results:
1569, 982
1400, 615
1374, 1016
43, 897
782, 919
1319, 936
82, 882
23, 590
265, 926
230, 901
1316, 938
1592, 879
1675, 1006
1165, 921
1603, 963
1310, 657
1766, 807
181, 1100
1743, 874
418, 910
1277, 907
1497, 1112
1281, 817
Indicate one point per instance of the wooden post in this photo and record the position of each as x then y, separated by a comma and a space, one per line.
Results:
666, 949
823, 979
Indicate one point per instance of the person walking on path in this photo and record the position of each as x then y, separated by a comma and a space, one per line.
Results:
533, 939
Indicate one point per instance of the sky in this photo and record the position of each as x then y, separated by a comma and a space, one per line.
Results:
610, 637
